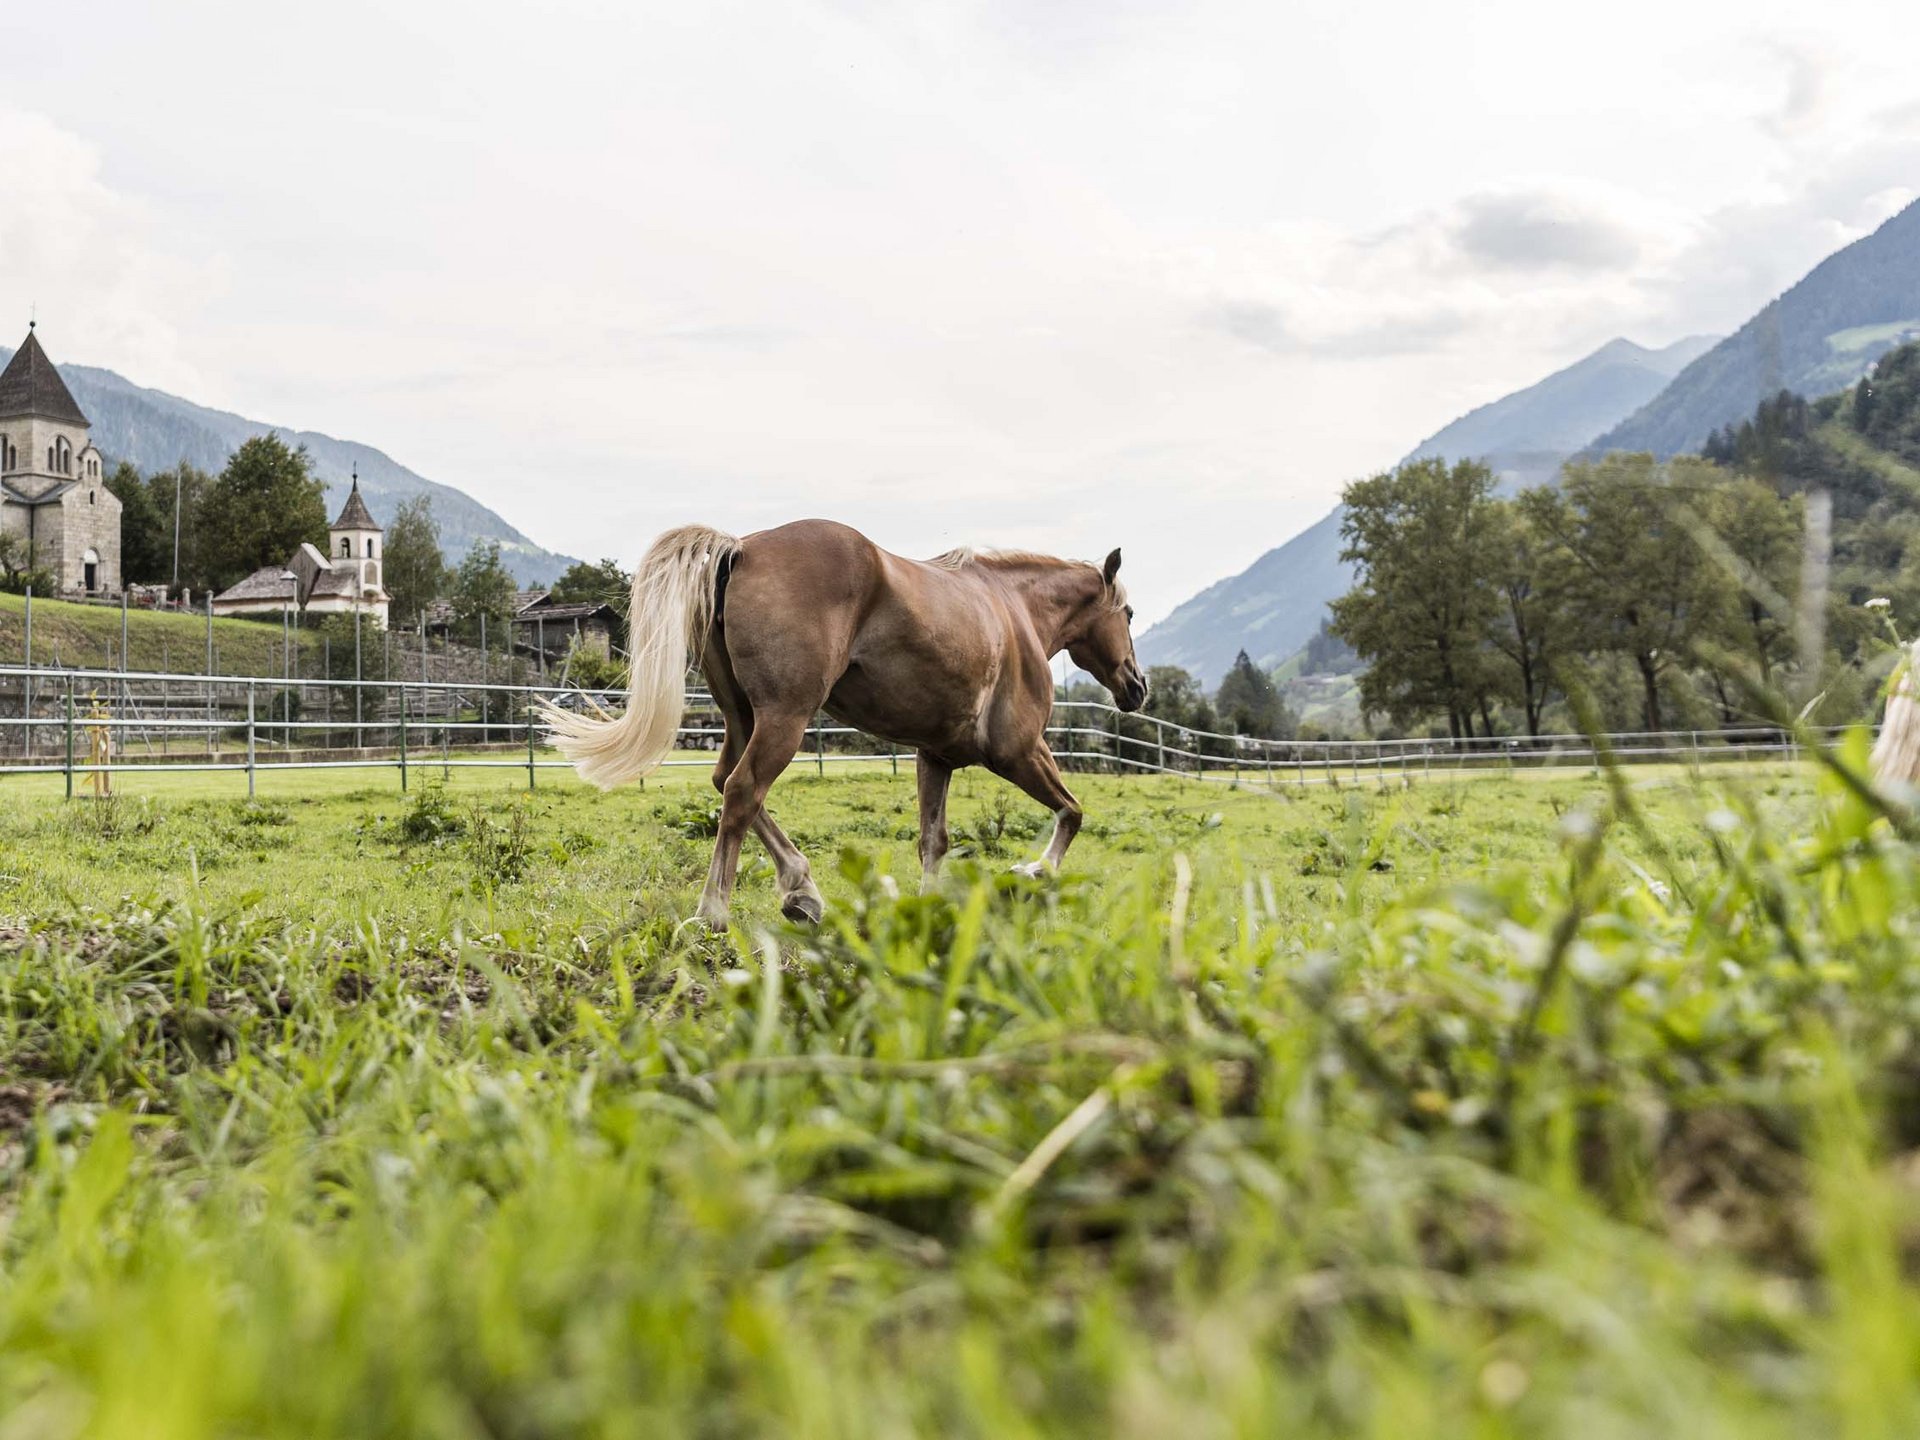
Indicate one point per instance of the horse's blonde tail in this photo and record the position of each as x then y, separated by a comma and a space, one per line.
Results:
673, 608
1896, 754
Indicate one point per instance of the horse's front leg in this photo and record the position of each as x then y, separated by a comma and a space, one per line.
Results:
932, 778
1036, 772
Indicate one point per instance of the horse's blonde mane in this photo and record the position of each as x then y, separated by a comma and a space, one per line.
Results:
960, 557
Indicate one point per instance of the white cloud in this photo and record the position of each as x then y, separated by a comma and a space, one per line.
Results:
91, 262
1547, 256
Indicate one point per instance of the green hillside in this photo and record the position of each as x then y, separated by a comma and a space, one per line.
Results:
1862, 446
88, 636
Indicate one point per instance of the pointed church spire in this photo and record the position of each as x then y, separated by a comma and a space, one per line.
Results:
354, 515
30, 385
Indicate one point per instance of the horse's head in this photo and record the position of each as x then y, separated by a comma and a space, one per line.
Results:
1102, 642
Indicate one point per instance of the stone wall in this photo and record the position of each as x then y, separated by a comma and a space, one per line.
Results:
90, 515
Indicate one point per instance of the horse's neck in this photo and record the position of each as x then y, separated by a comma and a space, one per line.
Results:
1053, 595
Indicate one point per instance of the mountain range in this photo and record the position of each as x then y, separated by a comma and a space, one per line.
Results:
1820, 335
1274, 606
155, 431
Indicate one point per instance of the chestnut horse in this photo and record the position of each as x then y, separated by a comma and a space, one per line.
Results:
948, 657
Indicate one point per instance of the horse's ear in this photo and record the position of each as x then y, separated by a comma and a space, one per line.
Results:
1111, 568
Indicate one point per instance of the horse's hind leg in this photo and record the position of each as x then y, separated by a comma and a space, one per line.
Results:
799, 898
769, 750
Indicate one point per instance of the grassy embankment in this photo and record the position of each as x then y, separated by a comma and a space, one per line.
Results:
88, 637
1518, 1107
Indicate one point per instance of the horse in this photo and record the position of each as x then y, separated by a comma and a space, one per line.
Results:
1896, 752
948, 657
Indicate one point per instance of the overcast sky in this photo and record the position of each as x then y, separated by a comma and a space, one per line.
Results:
1065, 275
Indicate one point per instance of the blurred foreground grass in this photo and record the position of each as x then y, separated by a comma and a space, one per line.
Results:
1511, 1107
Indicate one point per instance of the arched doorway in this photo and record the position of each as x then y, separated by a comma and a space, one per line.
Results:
91, 562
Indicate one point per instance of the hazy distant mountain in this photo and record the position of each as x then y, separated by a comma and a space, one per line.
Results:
155, 430
1566, 410
1823, 334
1273, 607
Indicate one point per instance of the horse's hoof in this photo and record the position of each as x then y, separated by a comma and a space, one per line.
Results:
714, 917
1032, 870
802, 908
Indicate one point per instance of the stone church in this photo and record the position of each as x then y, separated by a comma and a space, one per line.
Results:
344, 580
53, 485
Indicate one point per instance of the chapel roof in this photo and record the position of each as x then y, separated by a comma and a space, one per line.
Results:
30, 385
354, 515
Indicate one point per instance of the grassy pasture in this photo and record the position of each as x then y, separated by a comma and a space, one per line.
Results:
1508, 1107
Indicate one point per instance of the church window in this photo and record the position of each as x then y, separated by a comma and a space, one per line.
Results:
90, 498
346, 545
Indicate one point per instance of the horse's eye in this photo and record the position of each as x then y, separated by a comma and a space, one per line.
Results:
1129, 614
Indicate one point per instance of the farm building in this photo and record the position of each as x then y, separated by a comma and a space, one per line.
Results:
53, 491
342, 582
543, 627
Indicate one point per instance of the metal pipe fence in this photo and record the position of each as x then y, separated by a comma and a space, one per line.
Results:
84, 722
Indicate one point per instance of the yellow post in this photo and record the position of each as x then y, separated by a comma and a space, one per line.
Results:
99, 747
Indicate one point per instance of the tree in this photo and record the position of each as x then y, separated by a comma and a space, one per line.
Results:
261, 509
1531, 625
584, 584
1176, 696
1764, 537
1420, 611
416, 571
16, 574
1638, 579
146, 544
191, 486
1249, 703
483, 587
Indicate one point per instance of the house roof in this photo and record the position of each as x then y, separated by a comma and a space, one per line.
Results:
354, 515
272, 582
560, 613
30, 385
333, 582
524, 600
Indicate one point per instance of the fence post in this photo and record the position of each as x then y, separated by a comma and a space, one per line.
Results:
359, 740
249, 739
213, 692
819, 747
69, 737
1160, 736
26, 686
529, 737
403, 740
